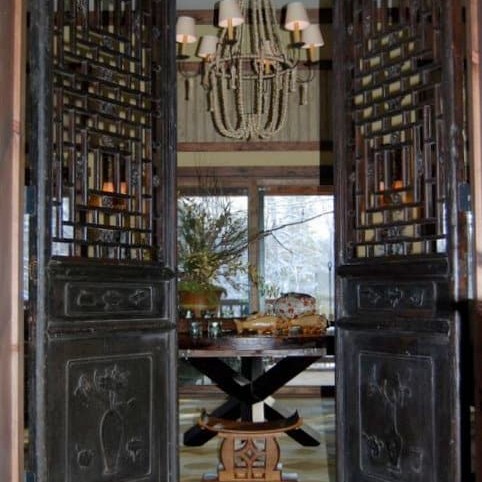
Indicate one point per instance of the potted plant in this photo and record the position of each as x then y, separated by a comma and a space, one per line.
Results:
212, 238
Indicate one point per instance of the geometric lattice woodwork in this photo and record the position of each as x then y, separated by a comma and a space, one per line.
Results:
397, 181
104, 106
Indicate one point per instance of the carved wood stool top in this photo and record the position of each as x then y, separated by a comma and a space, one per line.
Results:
221, 425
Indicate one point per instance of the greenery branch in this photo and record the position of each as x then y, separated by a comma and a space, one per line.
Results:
212, 239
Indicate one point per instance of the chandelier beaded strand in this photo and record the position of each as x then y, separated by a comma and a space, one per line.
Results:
250, 77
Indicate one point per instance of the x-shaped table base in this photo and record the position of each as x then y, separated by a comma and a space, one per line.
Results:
252, 385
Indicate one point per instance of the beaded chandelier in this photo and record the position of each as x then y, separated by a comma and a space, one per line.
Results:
248, 72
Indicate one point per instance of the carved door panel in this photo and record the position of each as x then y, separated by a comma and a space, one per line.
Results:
102, 302
402, 276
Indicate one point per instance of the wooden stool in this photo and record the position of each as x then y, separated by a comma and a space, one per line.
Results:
249, 451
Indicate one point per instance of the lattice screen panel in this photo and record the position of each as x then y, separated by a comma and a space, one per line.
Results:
103, 130
397, 176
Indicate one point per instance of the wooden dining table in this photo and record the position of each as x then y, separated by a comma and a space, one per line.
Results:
252, 383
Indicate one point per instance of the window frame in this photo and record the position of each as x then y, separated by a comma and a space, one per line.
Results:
289, 181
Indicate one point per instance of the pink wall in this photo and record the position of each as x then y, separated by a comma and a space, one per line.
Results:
11, 187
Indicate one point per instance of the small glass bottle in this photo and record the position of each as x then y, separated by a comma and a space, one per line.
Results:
195, 329
214, 328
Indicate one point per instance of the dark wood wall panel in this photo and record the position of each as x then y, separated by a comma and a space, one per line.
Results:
401, 296
102, 423
397, 406
128, 293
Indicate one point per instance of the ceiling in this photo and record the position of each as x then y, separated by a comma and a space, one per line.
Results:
208, 4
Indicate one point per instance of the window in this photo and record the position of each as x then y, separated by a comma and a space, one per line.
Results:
297, 255
292, 248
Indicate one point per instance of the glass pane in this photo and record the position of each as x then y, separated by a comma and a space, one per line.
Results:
298, 252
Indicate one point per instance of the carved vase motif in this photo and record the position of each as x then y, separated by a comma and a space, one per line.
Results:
111, 432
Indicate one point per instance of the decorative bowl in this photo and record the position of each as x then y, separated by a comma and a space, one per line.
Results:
293, 305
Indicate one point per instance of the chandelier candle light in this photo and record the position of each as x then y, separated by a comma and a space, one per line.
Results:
185, 33
248, 72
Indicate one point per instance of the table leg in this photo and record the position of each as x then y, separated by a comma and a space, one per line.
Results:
305, 435
251, 369
273, 379
228, 380
279, 375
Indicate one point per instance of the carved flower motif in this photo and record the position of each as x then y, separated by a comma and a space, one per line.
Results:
111, 298
394, 296
112, 379
85, 457
84, 386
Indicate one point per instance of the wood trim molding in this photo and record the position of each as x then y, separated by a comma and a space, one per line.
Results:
320, 177
324, 145
206, 17
250, 172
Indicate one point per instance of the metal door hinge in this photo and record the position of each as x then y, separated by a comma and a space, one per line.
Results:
464, 197
30, 199
33, 268
29, 477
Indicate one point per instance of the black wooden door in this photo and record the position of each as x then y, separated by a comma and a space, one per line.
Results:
102, 318
402, 276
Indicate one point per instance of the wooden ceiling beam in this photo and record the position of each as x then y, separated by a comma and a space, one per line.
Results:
206, 17
324, 145
295, 176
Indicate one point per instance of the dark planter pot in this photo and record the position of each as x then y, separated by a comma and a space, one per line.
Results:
198, 302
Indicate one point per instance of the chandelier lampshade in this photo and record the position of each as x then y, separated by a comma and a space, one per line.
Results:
296, 20
312, 38
207, 47
230, 16
185, 32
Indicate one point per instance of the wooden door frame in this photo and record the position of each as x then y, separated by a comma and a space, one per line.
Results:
12, 26
474, 51
12, 80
